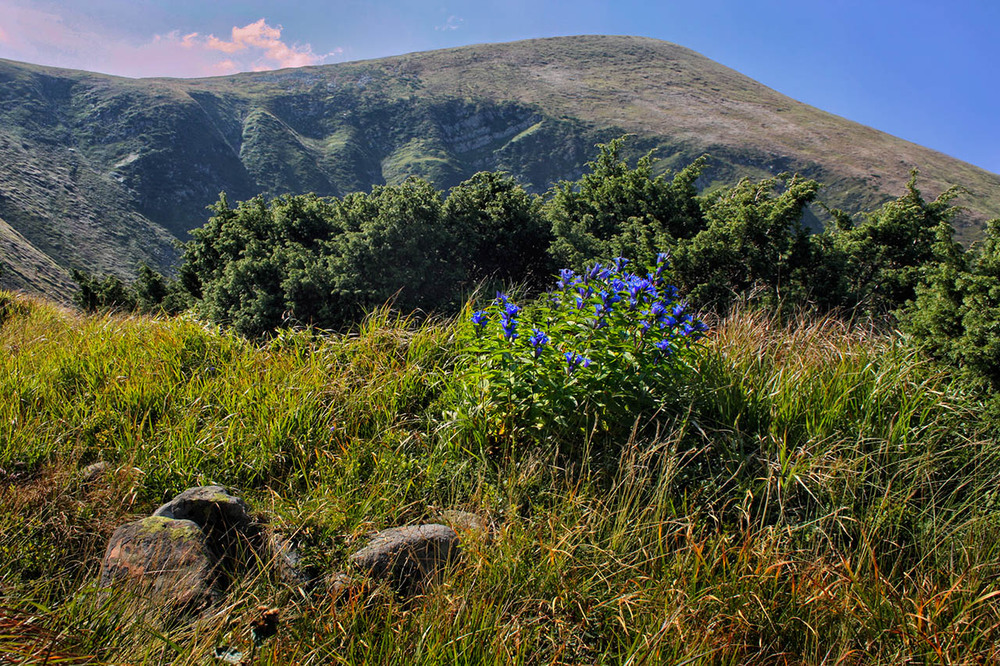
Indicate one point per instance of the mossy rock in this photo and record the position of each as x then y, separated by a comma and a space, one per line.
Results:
165, 560
223, 517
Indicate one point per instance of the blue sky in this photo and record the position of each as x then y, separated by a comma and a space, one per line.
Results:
924, 71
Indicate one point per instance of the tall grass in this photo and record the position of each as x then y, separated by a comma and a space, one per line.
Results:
824, 496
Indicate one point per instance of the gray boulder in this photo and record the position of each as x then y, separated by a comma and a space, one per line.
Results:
408, 558
164, 559
223, 517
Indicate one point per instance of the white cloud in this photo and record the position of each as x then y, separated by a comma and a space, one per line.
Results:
453, 23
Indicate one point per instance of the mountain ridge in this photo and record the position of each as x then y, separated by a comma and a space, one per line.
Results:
100, 172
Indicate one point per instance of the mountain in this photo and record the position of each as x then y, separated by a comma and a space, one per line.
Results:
101, 172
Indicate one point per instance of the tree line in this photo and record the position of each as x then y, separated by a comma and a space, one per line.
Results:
303, 260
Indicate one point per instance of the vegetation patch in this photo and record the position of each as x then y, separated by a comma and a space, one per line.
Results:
708, 442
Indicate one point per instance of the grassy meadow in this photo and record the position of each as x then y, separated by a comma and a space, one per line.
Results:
823, 495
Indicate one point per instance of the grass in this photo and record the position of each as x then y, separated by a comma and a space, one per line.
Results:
826, 496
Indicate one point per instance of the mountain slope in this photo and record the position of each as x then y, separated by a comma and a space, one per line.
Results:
101, 172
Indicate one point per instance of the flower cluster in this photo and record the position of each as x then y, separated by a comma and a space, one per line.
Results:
606, 338
644, 308
644, 301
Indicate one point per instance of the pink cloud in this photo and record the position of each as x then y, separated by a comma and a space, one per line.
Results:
259, 37
46, 38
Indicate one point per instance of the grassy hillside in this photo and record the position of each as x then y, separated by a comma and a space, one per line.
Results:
101, 172
819, 494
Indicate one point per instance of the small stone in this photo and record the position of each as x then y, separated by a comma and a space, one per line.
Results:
94, 471
339, 583
408, 557
165, 559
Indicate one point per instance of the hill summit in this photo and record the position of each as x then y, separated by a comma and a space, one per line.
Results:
101, 172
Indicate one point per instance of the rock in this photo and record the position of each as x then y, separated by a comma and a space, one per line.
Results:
223, 517
408, 557
463, 521
94, 471
339, 584
283, 557
165, 559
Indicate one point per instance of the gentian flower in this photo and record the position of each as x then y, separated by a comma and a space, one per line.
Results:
636, 287
537, 341
665, 347
480, 318
574, 360
596, 272
609, 299
566, 278
662, 263
508, 320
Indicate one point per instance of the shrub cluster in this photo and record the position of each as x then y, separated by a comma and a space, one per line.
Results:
305, 260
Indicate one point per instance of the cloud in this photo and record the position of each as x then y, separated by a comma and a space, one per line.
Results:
453, 23
260, 38
47, 38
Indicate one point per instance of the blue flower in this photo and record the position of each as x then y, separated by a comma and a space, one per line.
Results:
574, 360
567, 278
480, 318
538, 341
636, 287
620, 263
665, 346
597, 272
509, 329
693, 328
508, 318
